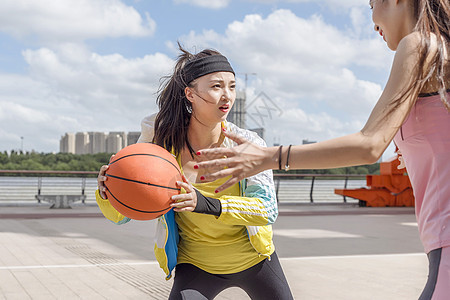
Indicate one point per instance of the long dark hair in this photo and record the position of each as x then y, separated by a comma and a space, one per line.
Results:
433, 17
172, 120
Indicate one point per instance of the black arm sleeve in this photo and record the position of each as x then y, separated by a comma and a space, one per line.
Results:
207, 205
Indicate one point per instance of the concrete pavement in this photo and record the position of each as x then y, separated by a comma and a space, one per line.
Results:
327, 252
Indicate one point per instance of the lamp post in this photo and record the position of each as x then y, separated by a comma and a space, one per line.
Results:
21, 143
246, 80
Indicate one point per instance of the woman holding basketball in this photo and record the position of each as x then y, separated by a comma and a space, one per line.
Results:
215, 239
413, 110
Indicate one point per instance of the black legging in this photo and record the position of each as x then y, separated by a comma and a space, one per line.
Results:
264, 280
434, 260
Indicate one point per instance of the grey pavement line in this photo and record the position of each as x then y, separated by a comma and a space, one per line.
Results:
281, 258
38, 215
284, 210
293, 213
148, 284
76, 266
389, 255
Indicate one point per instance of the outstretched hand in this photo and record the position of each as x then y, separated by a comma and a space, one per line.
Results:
244, 160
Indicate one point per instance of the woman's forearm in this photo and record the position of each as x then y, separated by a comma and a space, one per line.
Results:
350, 150
248, 159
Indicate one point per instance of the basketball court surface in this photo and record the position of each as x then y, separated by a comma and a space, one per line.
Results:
327, 252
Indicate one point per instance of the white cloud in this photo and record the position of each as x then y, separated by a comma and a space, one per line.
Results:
26, 111
64, 20
305, 65
71, 89
74, 70
331, 4
212, 4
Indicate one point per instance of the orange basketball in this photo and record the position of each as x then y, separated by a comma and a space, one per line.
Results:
141, 179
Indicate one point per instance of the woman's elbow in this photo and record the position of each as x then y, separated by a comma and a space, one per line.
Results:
372, 152
272, 217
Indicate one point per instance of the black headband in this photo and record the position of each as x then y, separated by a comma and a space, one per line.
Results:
205, 65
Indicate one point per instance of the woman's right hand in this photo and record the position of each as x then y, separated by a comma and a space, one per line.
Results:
101, 178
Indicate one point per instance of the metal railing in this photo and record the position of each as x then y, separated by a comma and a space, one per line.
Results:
312, 178
23, 186
27, 186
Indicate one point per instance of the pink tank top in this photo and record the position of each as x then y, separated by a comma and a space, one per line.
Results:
424, 141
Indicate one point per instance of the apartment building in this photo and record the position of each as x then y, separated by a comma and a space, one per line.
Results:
97, 142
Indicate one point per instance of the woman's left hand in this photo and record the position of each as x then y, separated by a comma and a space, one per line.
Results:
187, 201
401, 160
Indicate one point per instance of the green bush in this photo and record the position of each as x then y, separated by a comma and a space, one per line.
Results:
92, 162
33, 161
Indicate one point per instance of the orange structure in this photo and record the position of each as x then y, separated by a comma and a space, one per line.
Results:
391, 188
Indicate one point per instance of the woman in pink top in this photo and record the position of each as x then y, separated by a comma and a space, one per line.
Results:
413, 110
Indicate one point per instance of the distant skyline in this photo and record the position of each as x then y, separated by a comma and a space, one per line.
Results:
95, 65
96, 142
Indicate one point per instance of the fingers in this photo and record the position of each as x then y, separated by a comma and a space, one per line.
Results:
402, 163
103, 169
101, 178
214, 153
184, 178
102, 192
183, 202
185, 196
183, 206
185, 185
230, 182
215, 164
187, 201
181, 209
181, 197
102, 188
236, 176
219, 174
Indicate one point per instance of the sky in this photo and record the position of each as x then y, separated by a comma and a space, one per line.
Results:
311, 69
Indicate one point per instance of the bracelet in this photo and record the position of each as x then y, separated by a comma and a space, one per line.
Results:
286, 166
279, 157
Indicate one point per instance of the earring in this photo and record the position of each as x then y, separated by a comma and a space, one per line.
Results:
189, 108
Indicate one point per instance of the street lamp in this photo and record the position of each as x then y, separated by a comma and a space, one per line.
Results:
246, 79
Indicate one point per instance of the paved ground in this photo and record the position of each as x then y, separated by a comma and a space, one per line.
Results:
327, 252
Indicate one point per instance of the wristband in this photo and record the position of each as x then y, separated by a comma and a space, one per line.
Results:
279, 157
286, 166
207, 205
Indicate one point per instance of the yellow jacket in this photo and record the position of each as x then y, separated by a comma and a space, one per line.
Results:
256, 207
